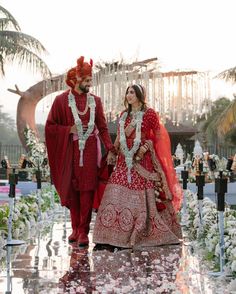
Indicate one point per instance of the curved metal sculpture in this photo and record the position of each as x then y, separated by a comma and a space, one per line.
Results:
28, 102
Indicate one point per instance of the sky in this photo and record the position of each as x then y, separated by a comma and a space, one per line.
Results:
182, 34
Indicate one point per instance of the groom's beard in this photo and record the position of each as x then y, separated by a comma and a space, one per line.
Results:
84, 89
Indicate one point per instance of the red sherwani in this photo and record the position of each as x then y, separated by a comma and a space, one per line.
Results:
63, 152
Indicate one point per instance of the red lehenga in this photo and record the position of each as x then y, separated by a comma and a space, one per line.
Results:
132, 214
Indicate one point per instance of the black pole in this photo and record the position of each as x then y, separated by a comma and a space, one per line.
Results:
184, 177
38, 178
13, 180
221, 189
200, 182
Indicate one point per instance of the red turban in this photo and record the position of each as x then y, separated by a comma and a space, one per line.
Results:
71, 77
83, 69
78, 72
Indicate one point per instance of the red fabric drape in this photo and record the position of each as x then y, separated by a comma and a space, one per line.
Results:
60, 148
104, 173
162, 147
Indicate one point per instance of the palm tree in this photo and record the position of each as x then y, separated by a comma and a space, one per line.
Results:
15, 45
227, 120
208, 126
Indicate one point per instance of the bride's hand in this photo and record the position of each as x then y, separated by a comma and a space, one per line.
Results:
111, 158
140, 153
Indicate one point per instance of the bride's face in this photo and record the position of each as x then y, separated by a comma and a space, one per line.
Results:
132, 98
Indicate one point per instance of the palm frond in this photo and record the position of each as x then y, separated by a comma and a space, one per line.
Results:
25, 56
227, 119
17, 46
13, 38
8, 20
228, 75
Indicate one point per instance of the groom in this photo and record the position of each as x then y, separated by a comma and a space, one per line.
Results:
73, 130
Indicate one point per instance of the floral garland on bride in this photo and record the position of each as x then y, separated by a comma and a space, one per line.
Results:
129, 153
82, 136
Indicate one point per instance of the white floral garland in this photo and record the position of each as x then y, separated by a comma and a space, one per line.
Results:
82, 136
129, 154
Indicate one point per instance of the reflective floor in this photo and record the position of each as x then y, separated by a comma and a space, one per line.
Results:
46, 263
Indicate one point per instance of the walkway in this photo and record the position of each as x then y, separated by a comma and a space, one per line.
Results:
48, 264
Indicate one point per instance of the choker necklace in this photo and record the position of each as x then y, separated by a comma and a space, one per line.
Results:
85, 109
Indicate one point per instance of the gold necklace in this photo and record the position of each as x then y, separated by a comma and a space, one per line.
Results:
85, 110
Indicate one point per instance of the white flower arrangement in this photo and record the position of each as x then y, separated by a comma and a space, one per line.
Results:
37, 153
207, 233
26, 212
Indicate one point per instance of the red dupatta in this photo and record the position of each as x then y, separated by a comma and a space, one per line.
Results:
162, 148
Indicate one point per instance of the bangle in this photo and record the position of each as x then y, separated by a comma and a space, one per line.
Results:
145, 147
147, 144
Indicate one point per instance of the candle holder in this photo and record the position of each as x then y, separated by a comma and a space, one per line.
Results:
13, 180
221, 189
184, 177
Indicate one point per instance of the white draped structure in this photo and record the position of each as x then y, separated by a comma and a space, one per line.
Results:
176, 95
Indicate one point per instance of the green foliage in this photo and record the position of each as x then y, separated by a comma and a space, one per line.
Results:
210, 255
4, 213
230, 137
209, 125
7, 129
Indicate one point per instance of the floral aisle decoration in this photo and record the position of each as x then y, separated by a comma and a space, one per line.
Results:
37, 154
25, 214
205, 235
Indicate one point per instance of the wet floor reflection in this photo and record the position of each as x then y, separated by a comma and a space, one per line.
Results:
152, 269
78, 277
48, 264
124, 271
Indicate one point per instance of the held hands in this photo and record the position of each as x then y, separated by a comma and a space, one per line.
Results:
111, 158
141, 151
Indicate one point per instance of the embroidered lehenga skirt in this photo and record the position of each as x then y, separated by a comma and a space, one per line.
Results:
128, 215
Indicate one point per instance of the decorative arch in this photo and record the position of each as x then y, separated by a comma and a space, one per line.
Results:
28, 101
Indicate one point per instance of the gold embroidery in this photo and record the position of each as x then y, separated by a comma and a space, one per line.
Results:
159, 175
129, 218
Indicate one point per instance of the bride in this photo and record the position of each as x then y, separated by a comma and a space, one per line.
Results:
143, 196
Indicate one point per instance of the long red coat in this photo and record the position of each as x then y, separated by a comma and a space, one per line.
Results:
63, 153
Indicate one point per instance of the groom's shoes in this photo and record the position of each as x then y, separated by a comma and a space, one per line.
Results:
83, 240
73, 237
